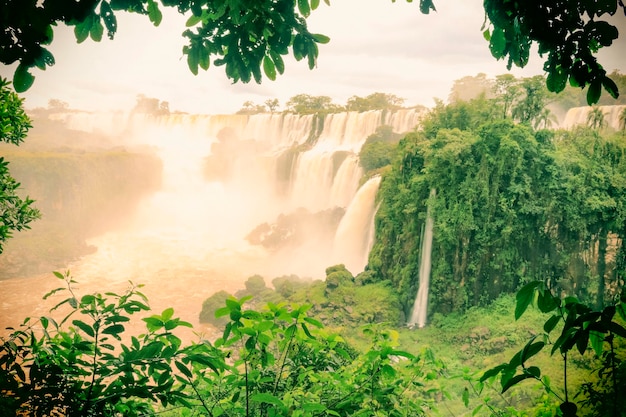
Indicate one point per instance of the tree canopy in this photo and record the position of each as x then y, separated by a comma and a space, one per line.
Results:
15, 212
250, 38
513, 203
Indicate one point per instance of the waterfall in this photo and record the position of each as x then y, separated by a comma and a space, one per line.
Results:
357, 222
224, 175
578, 116
420, 307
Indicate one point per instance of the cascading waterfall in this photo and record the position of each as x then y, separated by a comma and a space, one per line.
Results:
420, 307
354, 235
221, 178
578, 116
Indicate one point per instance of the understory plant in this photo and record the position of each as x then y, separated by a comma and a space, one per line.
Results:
276, 361
573, 326
86, 364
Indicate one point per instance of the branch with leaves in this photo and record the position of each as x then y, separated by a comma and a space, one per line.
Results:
580, 326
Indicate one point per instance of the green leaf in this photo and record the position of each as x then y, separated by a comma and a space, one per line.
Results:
306, 331
233, 304
319, 38
87, 299
594, 92
557, 80
109, 18
524, 297
263, 397
96, 30
54, 291
610, 86
22, 80
154, 13
313, 407
303, 7
153, 323
465, 397
84, 327
314, 322
193, 59
278, 62
167, 314
597, 342
269, 68
315, 4
58, 275
82, 29
546, 302
514, 381
493, 372
221, 312
534, 371
551, 323
182, 368
617, 329
44, 59
497, 44
204, 58
114, 329
426, 6
312, 55
193, 20
530, 350
582, 340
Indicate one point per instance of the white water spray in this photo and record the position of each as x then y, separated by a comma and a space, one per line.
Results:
358, 221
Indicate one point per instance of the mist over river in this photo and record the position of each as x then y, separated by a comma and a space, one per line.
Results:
238, 195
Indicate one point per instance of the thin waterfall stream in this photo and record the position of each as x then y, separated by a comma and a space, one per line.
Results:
420, 307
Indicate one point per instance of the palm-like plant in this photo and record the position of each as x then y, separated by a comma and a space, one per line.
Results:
544, 119
622, 121
596, 119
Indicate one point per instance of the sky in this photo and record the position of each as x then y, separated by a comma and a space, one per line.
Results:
376, 46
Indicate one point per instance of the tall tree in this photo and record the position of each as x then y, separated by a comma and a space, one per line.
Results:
469, 88
307, 104
507, 90
530, 106
272, 104
622, 120
596, 119
375, 101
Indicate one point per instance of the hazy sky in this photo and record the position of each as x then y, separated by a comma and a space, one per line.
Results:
376, 46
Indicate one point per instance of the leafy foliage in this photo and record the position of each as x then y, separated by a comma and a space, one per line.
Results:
512, 205
581, 328
244, 37
378, 149
250, 38
269, 362
306, 104
569, 33
15, 212
81, 365
375, 101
